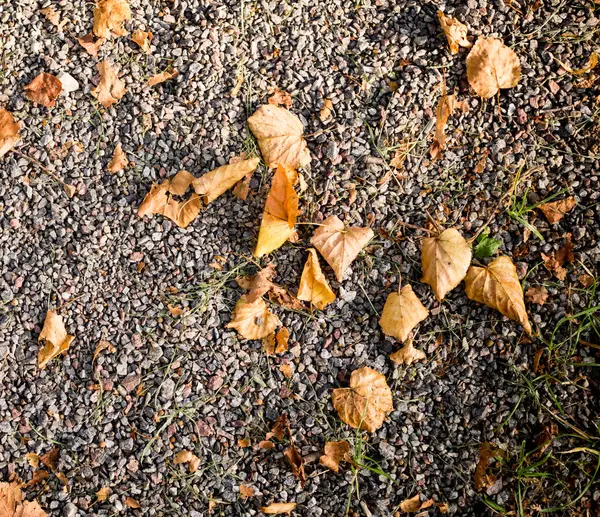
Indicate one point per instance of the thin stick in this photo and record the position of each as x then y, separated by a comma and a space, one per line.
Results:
414, 227
46, 170
433, 221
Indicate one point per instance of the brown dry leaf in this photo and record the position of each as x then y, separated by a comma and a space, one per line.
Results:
37, 477
279, 428
12, 503
287, 370
400, 155
110, 89
194, 464
50, 459
91, 47
280, 98
253, 320
132, 503
401, 313
556, 210
280, 213
480, 167
118, 161
442, 507
412, 504
326, 110
295, 460
282, 338
9, 132
143, 39
487, 451
246, 491
455, 31
279, 135
103, 345
445, 108
103, 493
537, 295
555, 261
407, 354
44, 90
244, 442
335, 453
339, 245
266, 444
33, 459
187, 457
51, 15
109, 17
160, 200
174, 310
498, 287
218, 181
491, 66
171, 73
55, 338
367, 401
586, 280
258, 284
445, 259
591, 64
278, 508
314, 287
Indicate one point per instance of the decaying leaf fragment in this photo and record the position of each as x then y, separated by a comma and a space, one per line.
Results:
279, 427
498, 287
109, 17
53, 17
339, 245
295, 460
556, 210
279, 135
162, 77
412, 504
277, 343
280, 213
91, 47
143, 39
367, 401
591, 64
401, 313
445, 259
103, 493
444, 110
218, 181
160, 200
118, 161
314, 287
487, 451
110, 88
132, 503
12, 503
55, 338
278, 508
44, 90
253, 320
261, 283
408, 354
492, 66
188, 457
280, 98
537, 295
9, 132
455, 31
555, 261
326, 110
334, 454
246, 491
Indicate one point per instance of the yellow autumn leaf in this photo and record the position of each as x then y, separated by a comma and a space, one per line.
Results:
143, 39
339, 245
55, 338
9, 132
401, 313
118, 161
278, 508
218, 181
314, 287
13, 504
408, 354
109, 17
455, 31
497, 286
162, 77
110, 88
334, 454
253, 320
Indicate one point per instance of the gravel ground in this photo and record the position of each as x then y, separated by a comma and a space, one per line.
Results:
188, 383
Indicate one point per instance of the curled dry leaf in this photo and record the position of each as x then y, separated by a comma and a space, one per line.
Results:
266, 444
109, 17
103, 493
556, 210
314, 287
295, 460
445, 259
339, 245
537, 295
591, 64
187, 457
335, 453
12, 503
444, 110
278, 508
103, 345
246, 491
280, 98
44, 90
287, 370
401, 313
143, 39
555, 261
253, 320
162, 77
55, 339
91, 47
280, 213
455, 31
51, 15
407, 354
174, 310
218, 181
160, 200
118, 161
491, 66
412, 504
110, 88
400, 155
279, 428
498, 287
9, 132
367, 401
50, 459
37, 477
132, 503
33, 459
326, 110
276, 343
487, 451
261, 283
279, 135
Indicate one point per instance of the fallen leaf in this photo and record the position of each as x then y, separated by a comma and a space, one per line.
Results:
295, 460
326, 110
143, 39
132, 503
591, 64
497, 286
253, 320
411, 505
218, 181
50, 459
261, 283
335, 453
51, 15
586, 280
537, 295
55, 338
279, 135
91, 47
162, 77
44, 90
401, 313
491, 66
407, 354
555, 261
266, 444
33, 459
103, 345
442, 507
103, 493
110, 89
400, 155
246, 491
187, 457
445, 259
282, 337
9, 132
37, 477
480, 167
455, 31
278, 428
109, 17
287, 370
339, 245
280, 98
367, 401
556, 210
444, 110
487, 451
12, 503
244, 442
174, 310
160, 200
118, 161
280, 213
277, 508
314, 287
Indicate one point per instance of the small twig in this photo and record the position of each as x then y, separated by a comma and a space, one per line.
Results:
69, 189
433, 221
414, 227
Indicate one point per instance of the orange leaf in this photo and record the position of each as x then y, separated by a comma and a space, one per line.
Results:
556, 210
314, 287
44, 90
109, 17
143, 39
253, 320
216, 182
55, 337
12, 503
119, 160
91, 47
9, 132
162, 77
110, 88
401, 313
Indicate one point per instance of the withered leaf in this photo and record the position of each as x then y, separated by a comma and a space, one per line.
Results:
253, 320
12, 503
326, 110
246, 491
314, 287
187, 457
91, 47
33, 459
218, 181
103, 493
118, 161
37, 477
44, 90
407, 354
50, 459
276, 343
295, 460
9, 132
109, 17
537, 295
279, 135
339, 245
278, 508
110, 88
412, 504
555, 261
492, 66
280, 98
498, 287
103, 345
132, 503
162, 77
261, 283
143, 39
455, 31
244, 442
287, 370
401, 313
556, 210
367, 401
487, 451
591, 64
278, 428
51, 15
55, 339
444, 110
335, 453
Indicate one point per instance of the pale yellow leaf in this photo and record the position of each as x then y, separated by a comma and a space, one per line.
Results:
109, 17
253, 320
314, 287
278, 508
110, 88
455, 31
401, 313
55, 339
216, 182
407, 354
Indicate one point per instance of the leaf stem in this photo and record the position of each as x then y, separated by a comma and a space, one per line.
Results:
68, 188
